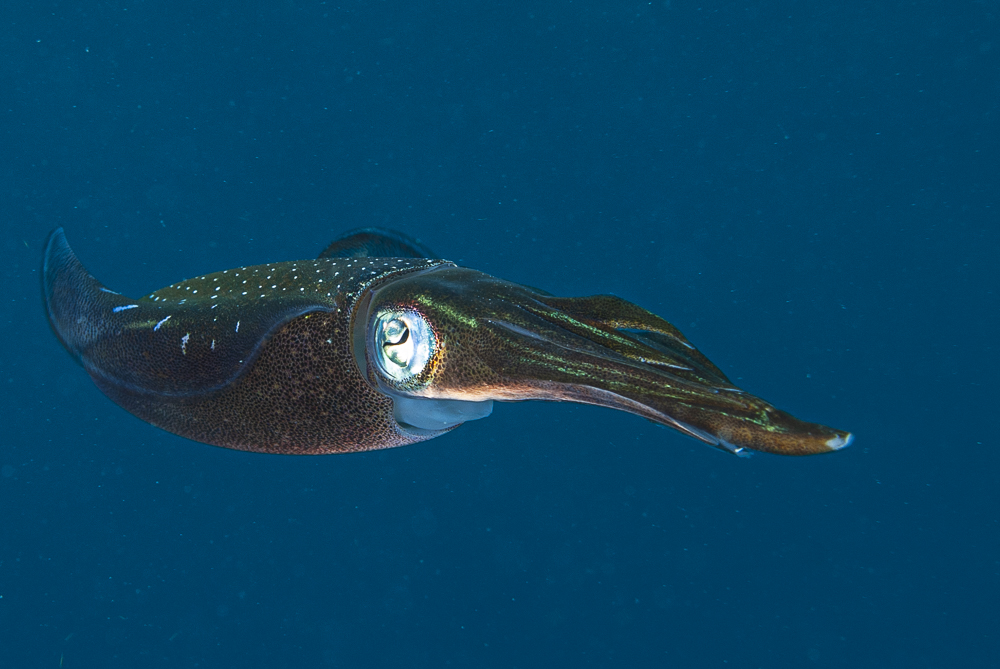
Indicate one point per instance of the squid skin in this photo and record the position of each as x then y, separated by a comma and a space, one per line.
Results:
353, 351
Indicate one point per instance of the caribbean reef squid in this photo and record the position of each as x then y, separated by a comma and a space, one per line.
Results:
376, 343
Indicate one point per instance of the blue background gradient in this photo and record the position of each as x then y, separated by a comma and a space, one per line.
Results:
808, 191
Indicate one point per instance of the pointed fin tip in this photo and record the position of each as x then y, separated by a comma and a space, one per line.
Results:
58, 259
75, 302
56, 246
58, 264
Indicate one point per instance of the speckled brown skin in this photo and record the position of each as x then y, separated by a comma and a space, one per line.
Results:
256, 359
301, 396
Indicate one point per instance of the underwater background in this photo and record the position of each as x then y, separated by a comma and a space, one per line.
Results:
808, 191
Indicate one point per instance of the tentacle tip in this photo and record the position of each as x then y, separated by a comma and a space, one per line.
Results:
839, 442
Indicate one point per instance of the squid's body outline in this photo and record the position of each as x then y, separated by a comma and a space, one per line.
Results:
378, 344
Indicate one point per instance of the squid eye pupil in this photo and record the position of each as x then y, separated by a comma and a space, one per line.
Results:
396, 332
403, 343
394, 347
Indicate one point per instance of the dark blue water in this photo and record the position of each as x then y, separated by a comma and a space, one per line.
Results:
808, 191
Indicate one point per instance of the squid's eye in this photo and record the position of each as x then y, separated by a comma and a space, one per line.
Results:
404, 342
